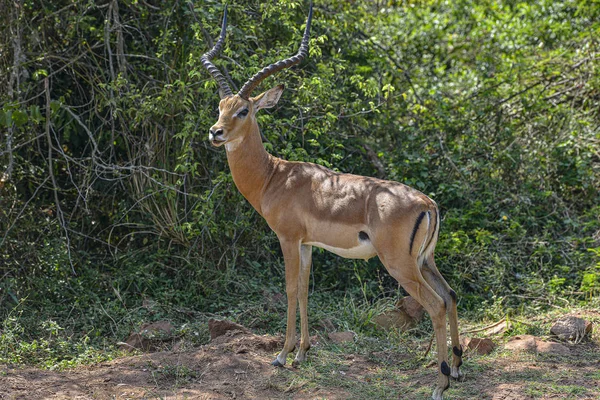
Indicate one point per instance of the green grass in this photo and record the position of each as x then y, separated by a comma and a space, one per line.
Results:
538, 376
47, 338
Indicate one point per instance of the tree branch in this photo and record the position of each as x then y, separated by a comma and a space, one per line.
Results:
59, 212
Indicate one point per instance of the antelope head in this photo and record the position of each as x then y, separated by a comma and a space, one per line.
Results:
237, 113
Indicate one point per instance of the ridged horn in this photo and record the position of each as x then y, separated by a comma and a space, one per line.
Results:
253, 82
205, 59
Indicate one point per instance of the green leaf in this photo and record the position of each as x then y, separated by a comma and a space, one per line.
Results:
6, 118
55, 105
19, 117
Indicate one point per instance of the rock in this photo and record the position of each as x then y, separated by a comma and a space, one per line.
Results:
407, 315
157, 329
534, 344
480, 346
412, 308
341, 337
552, 348
571, 328
394, 319
588, 328
149, 337
522, 343
221, 327
135, 341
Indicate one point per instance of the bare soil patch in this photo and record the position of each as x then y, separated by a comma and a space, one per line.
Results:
236, 365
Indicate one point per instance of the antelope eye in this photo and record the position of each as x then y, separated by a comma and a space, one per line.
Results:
243, 113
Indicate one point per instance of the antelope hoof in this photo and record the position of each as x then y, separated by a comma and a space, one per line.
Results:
299, 359
457, 374
277, 363
437, 394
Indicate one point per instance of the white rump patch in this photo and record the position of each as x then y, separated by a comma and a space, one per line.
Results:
426, 233
426, 252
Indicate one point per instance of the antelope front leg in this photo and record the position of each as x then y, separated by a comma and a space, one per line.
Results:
305, 264
291, 257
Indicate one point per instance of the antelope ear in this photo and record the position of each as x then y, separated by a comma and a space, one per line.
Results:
268, 99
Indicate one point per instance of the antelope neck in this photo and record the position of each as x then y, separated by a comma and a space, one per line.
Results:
251, 166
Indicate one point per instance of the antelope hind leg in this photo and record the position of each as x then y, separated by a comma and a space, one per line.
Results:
435, 279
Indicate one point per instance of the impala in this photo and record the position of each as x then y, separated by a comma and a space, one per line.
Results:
352, 216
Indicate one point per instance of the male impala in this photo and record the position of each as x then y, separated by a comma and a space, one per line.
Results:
353, 216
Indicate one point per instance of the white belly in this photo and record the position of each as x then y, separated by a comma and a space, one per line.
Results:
364, 250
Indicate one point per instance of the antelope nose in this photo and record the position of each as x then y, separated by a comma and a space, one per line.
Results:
216, 132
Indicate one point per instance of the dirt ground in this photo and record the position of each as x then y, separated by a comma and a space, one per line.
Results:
237, 366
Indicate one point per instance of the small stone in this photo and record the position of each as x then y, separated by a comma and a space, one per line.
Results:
534, 344
571, 328
406, 315
135, 341
219, 328
522, 343
341, 337
480, 346
160, 328
412, 308
588, 328
149, 337
552, 348
394, 319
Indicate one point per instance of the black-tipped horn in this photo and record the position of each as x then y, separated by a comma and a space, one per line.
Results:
278, 66
205, 59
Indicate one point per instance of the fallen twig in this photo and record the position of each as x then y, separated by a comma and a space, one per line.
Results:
485, 328
429, 346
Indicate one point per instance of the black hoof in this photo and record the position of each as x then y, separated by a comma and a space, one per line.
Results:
277, 363
459, 378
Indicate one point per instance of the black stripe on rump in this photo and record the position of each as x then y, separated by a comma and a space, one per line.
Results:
414, 231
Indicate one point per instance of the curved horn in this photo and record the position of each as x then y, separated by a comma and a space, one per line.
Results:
278, 66
206, 57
